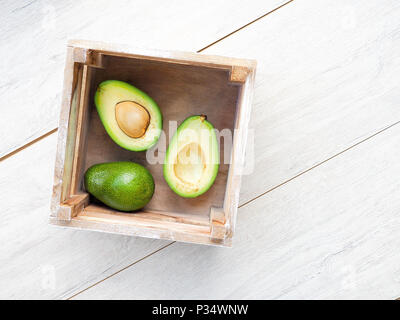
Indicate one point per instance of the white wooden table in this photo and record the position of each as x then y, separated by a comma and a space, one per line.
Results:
320, 215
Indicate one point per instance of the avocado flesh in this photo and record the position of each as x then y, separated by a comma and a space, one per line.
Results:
112, 92
124, 186
192, 159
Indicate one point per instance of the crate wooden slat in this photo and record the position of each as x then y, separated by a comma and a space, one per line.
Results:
183, 84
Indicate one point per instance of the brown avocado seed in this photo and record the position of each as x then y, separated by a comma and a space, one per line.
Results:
132, 118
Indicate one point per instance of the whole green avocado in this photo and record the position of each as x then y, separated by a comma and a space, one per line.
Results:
124, 186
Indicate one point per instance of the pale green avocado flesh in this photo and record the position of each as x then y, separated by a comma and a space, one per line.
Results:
124, 186
192, 159
112, 92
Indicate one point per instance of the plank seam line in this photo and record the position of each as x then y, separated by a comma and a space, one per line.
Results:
124, 268
198, 51
8, 155
246, 25
319, 164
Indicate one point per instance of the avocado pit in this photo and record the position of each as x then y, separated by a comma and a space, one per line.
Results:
132, 118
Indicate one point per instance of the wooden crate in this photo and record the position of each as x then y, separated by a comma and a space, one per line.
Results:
183, 84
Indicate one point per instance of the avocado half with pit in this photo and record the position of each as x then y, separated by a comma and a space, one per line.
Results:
192, 159
131, 118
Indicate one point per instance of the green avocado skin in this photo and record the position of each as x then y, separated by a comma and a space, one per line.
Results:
124, 186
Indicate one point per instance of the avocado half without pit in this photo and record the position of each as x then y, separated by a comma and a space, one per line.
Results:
131, 118
192, 159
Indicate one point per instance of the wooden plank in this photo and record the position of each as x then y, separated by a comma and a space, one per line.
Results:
38, 260
32, 59
326, 79
331, 233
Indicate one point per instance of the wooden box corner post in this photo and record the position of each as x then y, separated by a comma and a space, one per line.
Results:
67, 200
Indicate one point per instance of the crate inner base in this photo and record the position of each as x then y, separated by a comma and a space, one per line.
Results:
180, 91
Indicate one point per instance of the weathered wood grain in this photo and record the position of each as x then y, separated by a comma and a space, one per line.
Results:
330, 234
34, 34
